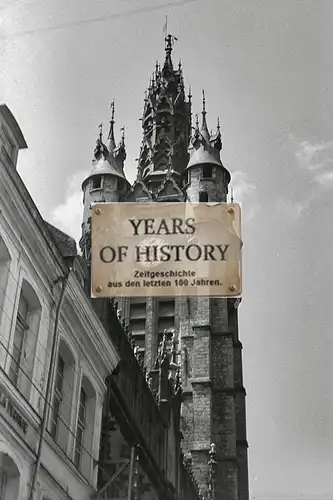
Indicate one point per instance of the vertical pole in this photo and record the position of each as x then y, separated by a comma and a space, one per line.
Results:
212, 472
129, 495
136, 477
50, 378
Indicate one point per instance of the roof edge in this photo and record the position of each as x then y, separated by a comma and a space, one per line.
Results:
4, 109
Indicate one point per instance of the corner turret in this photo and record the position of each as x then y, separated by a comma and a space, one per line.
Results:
106, 181
207, 179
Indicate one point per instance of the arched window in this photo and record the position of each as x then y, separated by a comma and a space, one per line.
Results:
9, 478
85, 428
62, 396
25, 339
4, 271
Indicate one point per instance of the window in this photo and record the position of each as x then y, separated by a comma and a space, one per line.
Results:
207, 171
20, 333
25, 339
4, 272
85, 425
97, 182
57, 397
62, 401
80, 428
203, 197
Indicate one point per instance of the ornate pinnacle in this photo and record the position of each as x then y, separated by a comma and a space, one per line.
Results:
112, 110
111, 143
204, 128
122, 130
100, 149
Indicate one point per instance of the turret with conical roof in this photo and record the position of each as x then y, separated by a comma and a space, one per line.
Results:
106, 181
207, 178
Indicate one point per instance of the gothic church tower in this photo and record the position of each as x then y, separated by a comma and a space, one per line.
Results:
181, 163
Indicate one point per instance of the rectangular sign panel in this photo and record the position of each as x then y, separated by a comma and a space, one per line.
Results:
166, 249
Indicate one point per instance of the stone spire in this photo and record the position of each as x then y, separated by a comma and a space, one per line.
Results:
166, 122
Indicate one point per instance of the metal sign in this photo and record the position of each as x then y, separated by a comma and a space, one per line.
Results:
166, 249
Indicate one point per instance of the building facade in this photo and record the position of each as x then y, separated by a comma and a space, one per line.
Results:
46, 322
179, 162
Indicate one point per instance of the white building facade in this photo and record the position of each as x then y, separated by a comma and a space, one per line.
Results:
50, 425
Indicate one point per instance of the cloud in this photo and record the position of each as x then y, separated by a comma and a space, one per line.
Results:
313, 156
293, 209
242, 187
243, 192
68, 215
317, 160
325, 179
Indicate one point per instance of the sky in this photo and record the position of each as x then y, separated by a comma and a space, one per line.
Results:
266, 67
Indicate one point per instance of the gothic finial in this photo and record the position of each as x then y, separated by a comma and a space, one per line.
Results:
111, 143
112, 110
197, 122
218, 125
203, 102
232, 195
204, 128
100, 148
122, 130
180, 65
190, 93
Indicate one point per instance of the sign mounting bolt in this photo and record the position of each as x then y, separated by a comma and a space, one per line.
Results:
98, 288
232, 288
98, 211
231, 211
